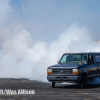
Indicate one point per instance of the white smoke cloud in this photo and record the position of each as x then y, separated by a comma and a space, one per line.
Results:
95, 81
22, 57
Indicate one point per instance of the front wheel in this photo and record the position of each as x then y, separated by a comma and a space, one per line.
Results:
53, 84
84, 81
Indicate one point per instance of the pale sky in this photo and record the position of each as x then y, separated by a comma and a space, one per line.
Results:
46, 19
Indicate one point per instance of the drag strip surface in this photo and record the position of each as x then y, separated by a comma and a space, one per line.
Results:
43, 91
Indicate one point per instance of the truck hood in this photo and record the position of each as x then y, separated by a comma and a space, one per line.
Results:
64, 66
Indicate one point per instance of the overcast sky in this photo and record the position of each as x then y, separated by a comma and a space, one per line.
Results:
46, 19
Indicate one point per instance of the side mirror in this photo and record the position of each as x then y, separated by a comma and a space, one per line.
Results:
89, 63
92, 61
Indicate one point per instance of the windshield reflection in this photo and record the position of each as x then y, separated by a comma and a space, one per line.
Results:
74, 58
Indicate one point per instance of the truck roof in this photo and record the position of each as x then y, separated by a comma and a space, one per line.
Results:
84, 53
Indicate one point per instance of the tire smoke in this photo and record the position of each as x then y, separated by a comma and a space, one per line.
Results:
23, 57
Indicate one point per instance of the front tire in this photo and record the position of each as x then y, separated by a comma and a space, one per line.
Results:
53, 84
84, 81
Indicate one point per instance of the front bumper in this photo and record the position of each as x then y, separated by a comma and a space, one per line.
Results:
64, 78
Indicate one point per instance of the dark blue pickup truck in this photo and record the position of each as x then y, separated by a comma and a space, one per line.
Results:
75, 67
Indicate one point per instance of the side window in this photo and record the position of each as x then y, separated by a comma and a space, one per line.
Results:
97, 57
63, 60
91, 59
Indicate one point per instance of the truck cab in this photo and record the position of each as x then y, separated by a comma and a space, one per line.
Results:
75, 67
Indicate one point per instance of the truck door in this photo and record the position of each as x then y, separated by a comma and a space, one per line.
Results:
92, 67
97, 60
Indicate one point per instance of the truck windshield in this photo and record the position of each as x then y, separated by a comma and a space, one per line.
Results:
74, 58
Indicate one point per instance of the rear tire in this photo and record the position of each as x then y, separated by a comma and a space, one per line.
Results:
84, 81
53, 84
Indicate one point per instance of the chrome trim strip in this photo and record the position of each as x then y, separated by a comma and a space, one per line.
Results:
92, 75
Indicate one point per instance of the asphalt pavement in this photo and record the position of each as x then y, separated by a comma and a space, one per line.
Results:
43, 90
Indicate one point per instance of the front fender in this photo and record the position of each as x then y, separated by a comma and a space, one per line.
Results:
83, 71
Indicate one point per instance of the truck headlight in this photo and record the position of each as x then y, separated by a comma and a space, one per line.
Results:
75, 71
49, 71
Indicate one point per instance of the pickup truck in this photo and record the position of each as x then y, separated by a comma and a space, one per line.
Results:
75, 67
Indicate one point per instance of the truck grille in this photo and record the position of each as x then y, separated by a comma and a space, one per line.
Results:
62, 71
